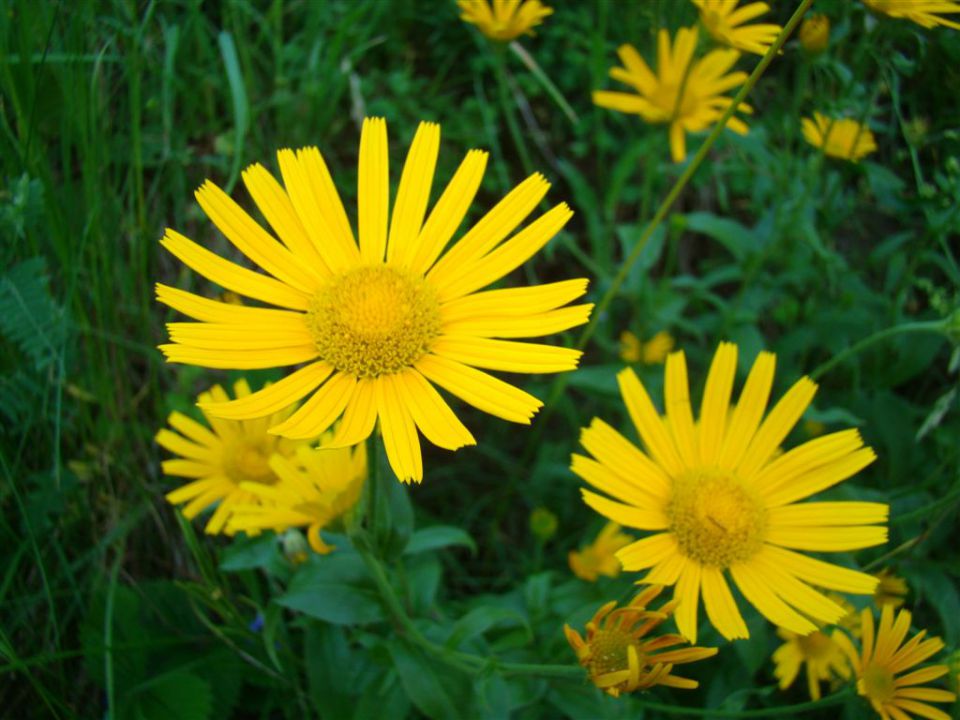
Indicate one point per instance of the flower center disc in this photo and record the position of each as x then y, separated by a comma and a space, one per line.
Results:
609, 651
878, 683
816, 645
374, 321
716, 520
246, 463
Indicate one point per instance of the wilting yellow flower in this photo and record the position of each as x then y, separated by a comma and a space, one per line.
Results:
838, 137
618, 659
233, 454
724, 21
891, 590
719, 499
652, 352
315, 488
815, 33
376, 325
923, 12
685, 94
506, 19
599, 557
823, 657
885, 657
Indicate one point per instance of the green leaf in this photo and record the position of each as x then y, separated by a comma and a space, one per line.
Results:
335, 589
420, 681
479, 620
177, 695
29, 317
601, 379
251, 553
439, 536
738, 239
326, 647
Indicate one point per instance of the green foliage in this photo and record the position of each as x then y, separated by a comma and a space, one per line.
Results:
112, 113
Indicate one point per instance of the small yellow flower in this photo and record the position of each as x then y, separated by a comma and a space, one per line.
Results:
221, 460
819, 651
506, 19
925, 13
724, 21
839, 137
598, 558
618, 659
883, 659
631, 349
685, 94
815, 33
891, 591
316, 487
652, 352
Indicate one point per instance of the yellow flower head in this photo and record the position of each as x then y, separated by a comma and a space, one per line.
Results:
220, 460
891, 590
599, 557
315, 488
925, 13
725, 22
376, 324
506, 19
619, 660
815, 33
720, 500
885, 657
838, 137
685, 94
823, 657
652, 352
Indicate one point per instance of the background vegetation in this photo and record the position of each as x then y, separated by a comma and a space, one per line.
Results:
111, 113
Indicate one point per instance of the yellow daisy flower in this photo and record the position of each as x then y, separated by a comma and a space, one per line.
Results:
838, 137
891, 590
685, 94
618, 659
221, 459
315, 487
721, 500
376, 324
506, 19
885, 657
823, 657
599, 557
725, 22
923, 12
815, 33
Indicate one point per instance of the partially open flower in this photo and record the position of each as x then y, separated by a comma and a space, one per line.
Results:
617, 657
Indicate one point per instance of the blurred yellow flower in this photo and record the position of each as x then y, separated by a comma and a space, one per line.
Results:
717, 499
815, 33
316, 487
923, 12
686, 94
885, 657
221, 460
725, 22
506, 19
652, 352
599, 558
891, 590
839, 137
823, 657
618, 659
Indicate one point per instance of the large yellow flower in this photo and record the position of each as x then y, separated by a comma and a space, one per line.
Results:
380, 322
923, 12
315, 488
838, 137
685, 94
223, 462
885, 657
722, 500
725, 22
618, 656
506, 19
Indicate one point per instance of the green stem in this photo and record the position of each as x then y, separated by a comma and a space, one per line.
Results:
926, 326
500, 71
560, 382
779, 711
527, 59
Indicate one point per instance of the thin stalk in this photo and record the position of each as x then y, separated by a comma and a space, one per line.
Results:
552, 90
934, 326
500, 71
560, 382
